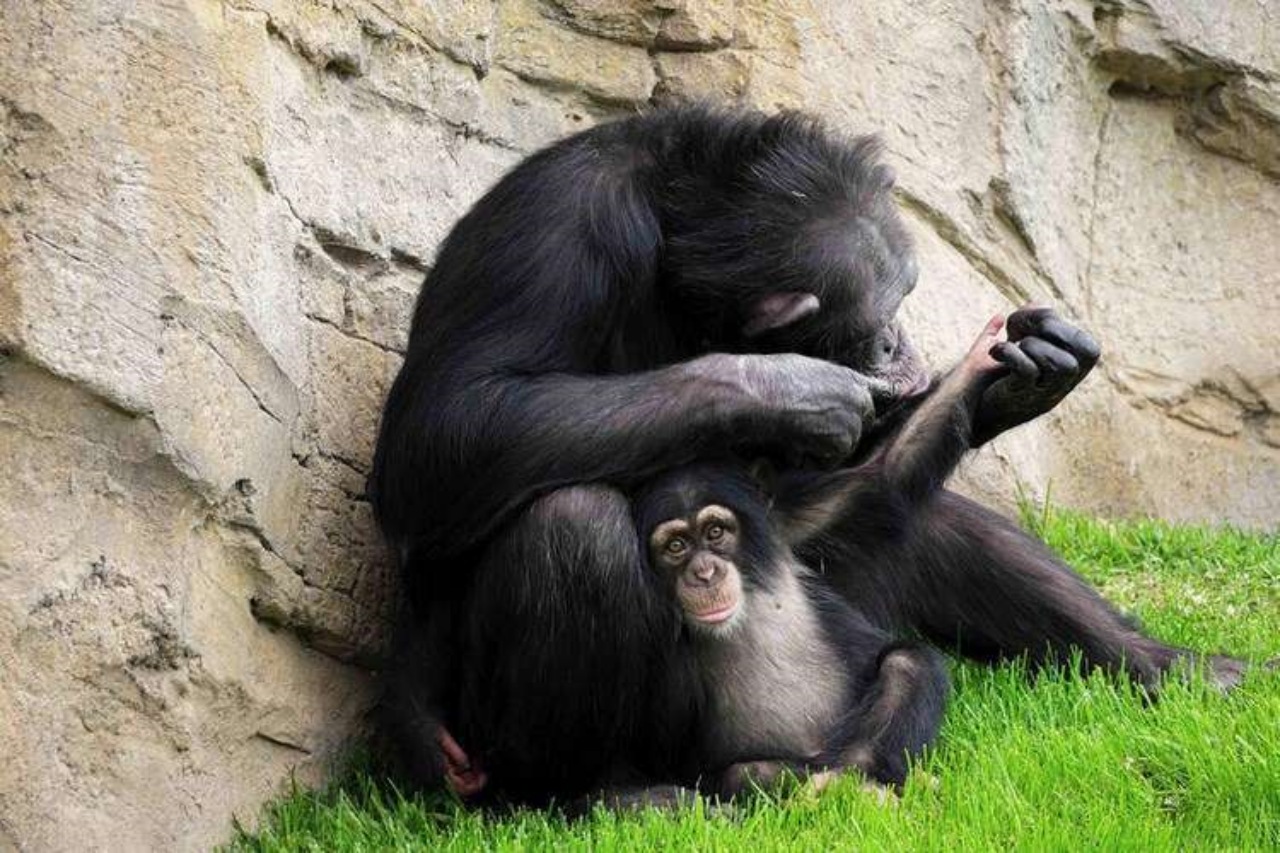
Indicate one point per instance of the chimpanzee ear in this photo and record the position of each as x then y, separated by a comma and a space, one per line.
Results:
765, 473
777, 310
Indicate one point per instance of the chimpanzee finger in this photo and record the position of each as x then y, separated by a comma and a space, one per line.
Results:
1045, 322
1073, 339
1055, 364
881, 391
1026, 321
454, 754
1008, 353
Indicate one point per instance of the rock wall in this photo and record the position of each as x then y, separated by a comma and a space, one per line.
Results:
215, 214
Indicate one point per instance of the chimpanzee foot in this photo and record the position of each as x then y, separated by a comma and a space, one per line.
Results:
462, 775
883, 795
1222, 672
769, 775
1226, 673
747, 776
637, 799
820, 781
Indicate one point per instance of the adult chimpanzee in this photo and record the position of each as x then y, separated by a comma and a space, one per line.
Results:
635, 297
774, 671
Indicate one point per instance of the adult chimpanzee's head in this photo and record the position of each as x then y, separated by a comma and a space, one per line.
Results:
792, 243
708, 537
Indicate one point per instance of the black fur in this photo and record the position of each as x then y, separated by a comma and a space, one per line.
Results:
582, 329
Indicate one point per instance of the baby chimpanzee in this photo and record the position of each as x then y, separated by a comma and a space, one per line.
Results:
774, 670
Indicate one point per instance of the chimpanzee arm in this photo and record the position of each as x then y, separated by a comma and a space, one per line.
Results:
917, 460
1057, 356
914, 460
499, 441
999, 384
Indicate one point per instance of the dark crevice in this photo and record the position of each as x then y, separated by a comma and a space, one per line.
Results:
407, 259
347, 255
346, 332
950, 232
343, 66
259, 168
278, 741
1006, 213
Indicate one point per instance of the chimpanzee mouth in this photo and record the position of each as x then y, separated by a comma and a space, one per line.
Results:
917, 387
718, 615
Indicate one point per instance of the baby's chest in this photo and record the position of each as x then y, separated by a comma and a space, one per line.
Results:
778, 693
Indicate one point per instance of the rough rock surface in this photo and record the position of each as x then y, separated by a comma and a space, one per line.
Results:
214, 216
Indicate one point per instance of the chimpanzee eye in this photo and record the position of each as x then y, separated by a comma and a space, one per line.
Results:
885, 343
676, 546
715, 532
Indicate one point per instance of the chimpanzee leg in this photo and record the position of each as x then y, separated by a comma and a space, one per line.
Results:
968, 578
746, 777
899, 715
903, 694
562, 639
414, 740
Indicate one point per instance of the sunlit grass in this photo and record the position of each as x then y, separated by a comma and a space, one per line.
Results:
1058, 762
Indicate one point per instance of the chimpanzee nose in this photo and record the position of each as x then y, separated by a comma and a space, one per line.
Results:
704, 569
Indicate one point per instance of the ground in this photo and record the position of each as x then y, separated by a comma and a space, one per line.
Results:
1057, 763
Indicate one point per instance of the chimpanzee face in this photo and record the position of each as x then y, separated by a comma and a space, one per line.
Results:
698, 555
709, 539
861, 269
796, 247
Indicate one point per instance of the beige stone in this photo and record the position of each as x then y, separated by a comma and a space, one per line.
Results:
631, 21
347, 404
134, 670
699, 25
536, 48
723, 75
666, 24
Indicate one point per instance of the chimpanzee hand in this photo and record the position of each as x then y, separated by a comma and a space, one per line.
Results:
985, 362
462, 776
1047, 357
809, 411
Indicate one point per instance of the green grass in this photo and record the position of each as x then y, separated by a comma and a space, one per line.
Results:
1053, 763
